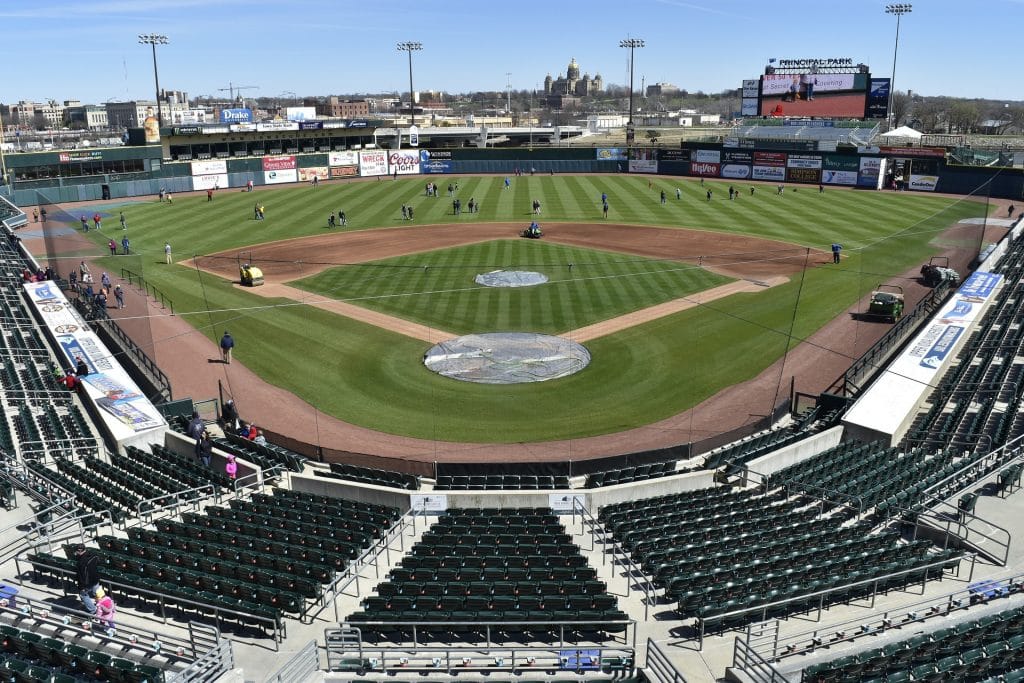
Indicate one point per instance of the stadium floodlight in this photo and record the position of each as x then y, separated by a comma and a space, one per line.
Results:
899, 10
632, 44
410, 46
154, 39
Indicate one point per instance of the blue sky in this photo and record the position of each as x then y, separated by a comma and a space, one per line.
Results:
88, 49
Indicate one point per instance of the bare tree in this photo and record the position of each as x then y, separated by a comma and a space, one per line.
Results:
964, 116
930, 113
900, 106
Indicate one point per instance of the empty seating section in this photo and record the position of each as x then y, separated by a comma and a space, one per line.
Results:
266, 456
871, 475
30, 657
265, 557
372, 475
715, 551
493, 482
166, 463
853, 131
626, 475
744, 451
974, 650
513, 565
86, 496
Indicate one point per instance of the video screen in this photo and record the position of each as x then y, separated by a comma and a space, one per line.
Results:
811, 94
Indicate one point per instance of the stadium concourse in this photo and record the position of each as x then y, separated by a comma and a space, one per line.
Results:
796, 554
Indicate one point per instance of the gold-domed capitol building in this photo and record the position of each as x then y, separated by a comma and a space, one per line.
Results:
572, 83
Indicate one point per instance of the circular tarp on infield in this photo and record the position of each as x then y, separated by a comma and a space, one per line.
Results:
511, 278
507, 358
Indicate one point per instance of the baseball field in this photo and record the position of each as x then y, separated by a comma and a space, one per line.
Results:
674, 301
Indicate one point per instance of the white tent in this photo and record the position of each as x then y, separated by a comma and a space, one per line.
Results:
903, 132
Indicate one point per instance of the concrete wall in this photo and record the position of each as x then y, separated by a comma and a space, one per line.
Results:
351, 490
796, 452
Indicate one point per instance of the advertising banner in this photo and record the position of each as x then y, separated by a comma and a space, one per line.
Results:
236, 115
703, 168
924, 183
837, 162
288, 175
750, 93
266, 126
242, 127
870, 172
781, 84
278, 163
673, 155
311, 125
770, 158
739, 171
435, 155
300, 113
643, 160
213, 181
307, 174
404, 162
803, 161
748, 107
414, 136
803, 175
373, 162
209, 167
435, 166
344, 171
839, 177
344, 158
750, 83
937, 152
89, 155
738, 157
711, 156
878, 98
773, 173
186, 130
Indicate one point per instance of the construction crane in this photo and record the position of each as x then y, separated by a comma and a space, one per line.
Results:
232, 89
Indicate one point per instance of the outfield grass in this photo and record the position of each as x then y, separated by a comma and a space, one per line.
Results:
437, 288
376, 379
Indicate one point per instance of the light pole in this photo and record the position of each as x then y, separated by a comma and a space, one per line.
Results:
899, 10
155, 39
410, 47
632, 44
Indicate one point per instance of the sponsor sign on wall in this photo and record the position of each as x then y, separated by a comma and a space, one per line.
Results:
711, 156
345, 158
937, 152
739, 171
738, 157
750, 82
214, 181
404, 162
311, 125
435, 166
925, 183
277, 125
288, 175
750, 93
839, 177
278, 163
838, 162
428, 155
209, 167
307, 174
703, 168
774, 173
673, 155
89, 155
300, 113
803, 161
373, 162
878, 98
344, 171
870, 172
803, 175
236, 115
770, 158
643, 160
748, 107
186, 130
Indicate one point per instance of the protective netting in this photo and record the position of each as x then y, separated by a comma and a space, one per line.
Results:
511, 278
507, 358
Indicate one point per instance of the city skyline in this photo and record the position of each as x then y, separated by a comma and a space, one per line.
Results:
89, 50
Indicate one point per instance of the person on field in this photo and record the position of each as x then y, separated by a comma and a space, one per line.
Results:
227, 342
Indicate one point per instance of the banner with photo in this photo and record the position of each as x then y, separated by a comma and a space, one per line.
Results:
643, 160
307, 174
373, 162
286, 175
348, 157
611, 154
108, 385
404, 162
780, 84
211, 167
210, 182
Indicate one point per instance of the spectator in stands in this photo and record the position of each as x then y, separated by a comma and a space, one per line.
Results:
73, 280
229, 416
83, 268
204, 448
101, 303
50, 273
81, 368
27, 276
69, 380
251, 432
87, 575
231, 467
227, 342
260, 439
105, 608
195, 426
88, 293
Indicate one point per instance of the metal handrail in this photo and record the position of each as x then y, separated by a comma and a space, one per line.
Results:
659, 667
914, 613
210, 666
300, 667
962, 519
149, 507
140, 282
608, 541
756, 667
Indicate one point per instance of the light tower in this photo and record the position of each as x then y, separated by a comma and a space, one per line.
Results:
155, 39
899, 10
632, 44
410, 47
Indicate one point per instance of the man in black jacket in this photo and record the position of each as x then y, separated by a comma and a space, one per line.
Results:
87, 575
